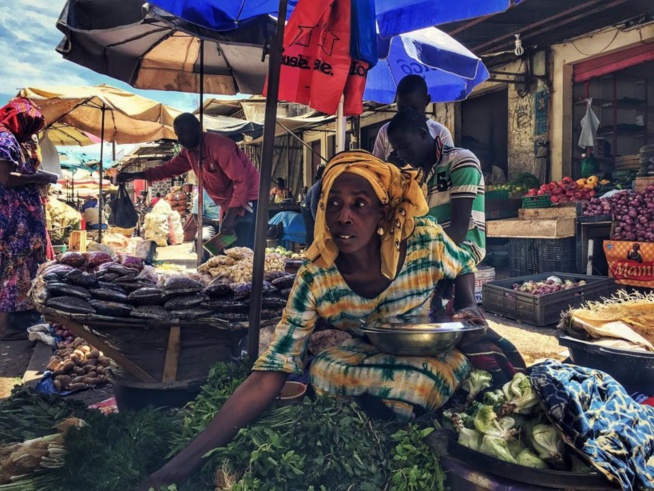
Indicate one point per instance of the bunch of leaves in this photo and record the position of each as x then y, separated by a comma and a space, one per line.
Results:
223, 380
413, 465
27, 414
115, 451
526, 181
326, 443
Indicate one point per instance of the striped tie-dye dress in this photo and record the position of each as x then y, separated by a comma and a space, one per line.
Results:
356, 367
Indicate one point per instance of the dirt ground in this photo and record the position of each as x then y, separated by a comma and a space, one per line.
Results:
14, 358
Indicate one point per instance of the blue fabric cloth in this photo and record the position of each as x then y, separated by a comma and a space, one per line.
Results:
601, 420
293, 224
209, 209
91, 203
393, 16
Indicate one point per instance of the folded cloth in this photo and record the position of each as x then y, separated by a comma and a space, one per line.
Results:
599, 418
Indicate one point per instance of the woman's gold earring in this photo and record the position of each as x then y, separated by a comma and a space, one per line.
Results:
380, 231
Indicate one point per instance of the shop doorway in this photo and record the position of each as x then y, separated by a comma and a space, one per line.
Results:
484, 127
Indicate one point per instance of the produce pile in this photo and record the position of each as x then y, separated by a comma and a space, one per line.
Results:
519, 185
509, 424
568, 189
553, 284
286, 253
77, 365
60, 219
122, 286
632, 211
163, 225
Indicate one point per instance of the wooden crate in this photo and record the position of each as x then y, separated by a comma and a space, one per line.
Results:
627, 162
641, 183
77, 241
554, 212
532, 228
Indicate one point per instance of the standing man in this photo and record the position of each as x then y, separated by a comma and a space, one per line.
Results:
227, 174
453, 178
411, 94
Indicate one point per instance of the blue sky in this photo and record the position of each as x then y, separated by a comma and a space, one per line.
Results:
29, 59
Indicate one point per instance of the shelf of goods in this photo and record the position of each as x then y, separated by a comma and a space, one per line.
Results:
162, 331
505, 298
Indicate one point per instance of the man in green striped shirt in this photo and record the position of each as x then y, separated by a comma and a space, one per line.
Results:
452, 176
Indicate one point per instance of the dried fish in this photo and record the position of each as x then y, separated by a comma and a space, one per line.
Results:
150, 312
146, 296
185, 302
71, 304
68, 290
108, 295
113, 309
80, 278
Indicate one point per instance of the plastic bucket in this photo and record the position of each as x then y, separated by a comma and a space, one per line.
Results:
484, 274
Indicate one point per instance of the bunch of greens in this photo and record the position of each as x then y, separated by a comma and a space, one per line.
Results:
27, 414
115, 451
323, 444
526, 181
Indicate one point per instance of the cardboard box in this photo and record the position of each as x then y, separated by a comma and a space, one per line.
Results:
532, 228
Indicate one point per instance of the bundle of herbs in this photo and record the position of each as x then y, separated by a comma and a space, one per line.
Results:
116, 451
27, 414
322, 444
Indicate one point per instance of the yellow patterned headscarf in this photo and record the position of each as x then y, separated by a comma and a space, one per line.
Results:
398, 188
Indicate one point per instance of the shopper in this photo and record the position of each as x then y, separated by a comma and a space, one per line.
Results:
452, 176
22, 216
411, 94
227, 174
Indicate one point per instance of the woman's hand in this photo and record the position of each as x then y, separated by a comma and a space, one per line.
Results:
474, 315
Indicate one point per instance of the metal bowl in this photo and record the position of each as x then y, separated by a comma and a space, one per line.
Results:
417, 338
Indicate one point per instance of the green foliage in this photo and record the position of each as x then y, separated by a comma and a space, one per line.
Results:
414, 466
115, 451
27, 414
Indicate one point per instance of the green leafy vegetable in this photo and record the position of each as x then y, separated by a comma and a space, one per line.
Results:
548, 443
496, 447
529, 459
477, 381
487, 422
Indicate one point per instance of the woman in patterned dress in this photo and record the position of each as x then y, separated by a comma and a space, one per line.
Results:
370, 259
22, 218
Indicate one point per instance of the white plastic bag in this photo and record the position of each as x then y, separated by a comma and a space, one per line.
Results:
589, 124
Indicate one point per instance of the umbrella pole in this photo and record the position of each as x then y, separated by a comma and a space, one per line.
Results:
199, 243
341, 124
101, 196
261, 225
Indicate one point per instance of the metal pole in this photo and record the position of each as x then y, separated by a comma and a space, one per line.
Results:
341, 124
261, 226
101, 195
199, 242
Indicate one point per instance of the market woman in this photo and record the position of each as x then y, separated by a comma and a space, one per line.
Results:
22, 218
371, 259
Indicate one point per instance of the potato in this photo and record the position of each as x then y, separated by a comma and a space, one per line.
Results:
103, 360
79, 353
78, 380
55, 361
77, 386
91, 361
57, 384
75, 359
68, 366
88, 368
79, 371
64, 380
78, 342
94, 353
86, 349
58, 372
99, 370
91, 380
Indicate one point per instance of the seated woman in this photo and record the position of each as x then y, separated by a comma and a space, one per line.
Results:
371, 259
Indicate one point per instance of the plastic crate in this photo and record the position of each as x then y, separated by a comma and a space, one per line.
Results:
497, 194
542, 201
500, 298
534, 256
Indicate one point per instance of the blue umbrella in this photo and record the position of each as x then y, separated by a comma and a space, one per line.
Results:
393, 16
449, 68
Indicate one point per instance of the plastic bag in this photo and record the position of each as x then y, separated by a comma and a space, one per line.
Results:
589, 125
122, 209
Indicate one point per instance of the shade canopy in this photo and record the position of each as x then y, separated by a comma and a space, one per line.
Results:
150, 49
393, 16
129, 118
61, 134
450, 70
